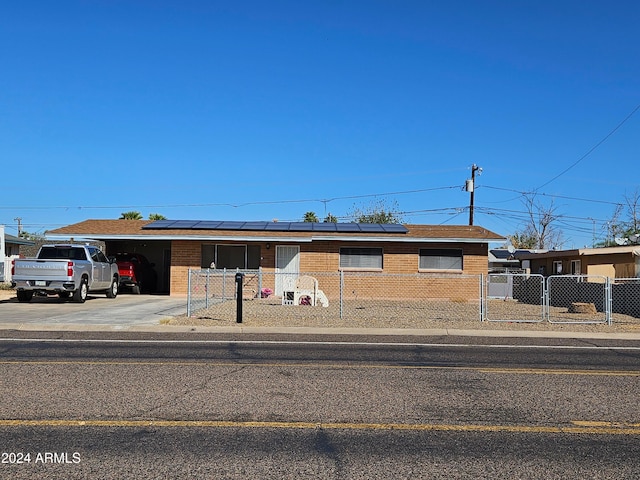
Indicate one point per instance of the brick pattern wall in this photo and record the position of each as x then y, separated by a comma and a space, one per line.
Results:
324, 256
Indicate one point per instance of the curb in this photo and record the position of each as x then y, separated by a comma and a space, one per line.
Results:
240, 329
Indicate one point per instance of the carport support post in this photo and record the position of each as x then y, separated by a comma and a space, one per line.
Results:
239, 280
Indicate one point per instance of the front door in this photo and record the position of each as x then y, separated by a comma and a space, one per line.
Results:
287, 267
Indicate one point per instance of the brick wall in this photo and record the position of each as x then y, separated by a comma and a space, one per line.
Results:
324, 256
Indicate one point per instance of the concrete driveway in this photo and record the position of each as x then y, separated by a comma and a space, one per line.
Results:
97, 310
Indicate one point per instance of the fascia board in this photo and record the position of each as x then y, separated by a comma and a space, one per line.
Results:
106, 237
405, 239
273, 239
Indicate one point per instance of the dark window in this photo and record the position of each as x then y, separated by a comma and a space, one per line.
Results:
69, 253
370, 258
230, 256
440, 259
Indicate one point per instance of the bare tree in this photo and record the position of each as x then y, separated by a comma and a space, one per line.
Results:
539, 231
378, 212
614, 226
619, 227
633, 211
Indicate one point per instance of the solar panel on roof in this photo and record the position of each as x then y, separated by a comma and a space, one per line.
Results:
394, 228
185, 224
347, 227
230, 225
324, 227
301, 226
254, 226
275, 226
158, 224
370, 227
207, 225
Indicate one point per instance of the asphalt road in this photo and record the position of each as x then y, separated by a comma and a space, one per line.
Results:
97, 310
290, 407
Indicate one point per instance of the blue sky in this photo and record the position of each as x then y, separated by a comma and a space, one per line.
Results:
255, 110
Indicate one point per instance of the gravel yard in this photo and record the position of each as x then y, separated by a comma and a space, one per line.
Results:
505, 315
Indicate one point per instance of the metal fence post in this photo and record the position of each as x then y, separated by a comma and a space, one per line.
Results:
341, 292
608, 302
206, 291
545, 292
224, 283
483, 298
189, 293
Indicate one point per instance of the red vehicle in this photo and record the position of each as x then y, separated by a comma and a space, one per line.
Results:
136, 273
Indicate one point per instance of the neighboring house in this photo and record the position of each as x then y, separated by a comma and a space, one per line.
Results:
612, 262
177, 246
502, 260
9, 249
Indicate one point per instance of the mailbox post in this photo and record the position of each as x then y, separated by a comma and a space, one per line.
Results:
239, 281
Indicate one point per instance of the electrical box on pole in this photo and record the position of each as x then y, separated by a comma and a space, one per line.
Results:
470, 187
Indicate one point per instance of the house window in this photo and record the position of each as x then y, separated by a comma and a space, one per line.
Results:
244, 257
368, 258
440, 259
557, 267
576, 267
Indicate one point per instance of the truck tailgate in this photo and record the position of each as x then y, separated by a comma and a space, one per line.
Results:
32, 269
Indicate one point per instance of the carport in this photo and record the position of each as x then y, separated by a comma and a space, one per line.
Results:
158, 252
122, 236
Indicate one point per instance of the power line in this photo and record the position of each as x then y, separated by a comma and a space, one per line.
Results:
246, 204
552, 195
606, 137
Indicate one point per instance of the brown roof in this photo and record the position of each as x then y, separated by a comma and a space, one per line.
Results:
103, 229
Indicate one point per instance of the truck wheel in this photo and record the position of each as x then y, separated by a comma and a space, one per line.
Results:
80, 295
113, 289
24, 295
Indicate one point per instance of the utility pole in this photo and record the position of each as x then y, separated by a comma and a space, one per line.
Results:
470, 187
19, 220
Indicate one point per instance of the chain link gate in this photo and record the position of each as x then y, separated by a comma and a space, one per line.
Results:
212, 292
625, 299
579, 299
515, 297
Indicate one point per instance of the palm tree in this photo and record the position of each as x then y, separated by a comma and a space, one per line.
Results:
156, 216
310, 217
131, 216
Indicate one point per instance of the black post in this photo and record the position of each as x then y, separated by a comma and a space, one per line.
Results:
239, 280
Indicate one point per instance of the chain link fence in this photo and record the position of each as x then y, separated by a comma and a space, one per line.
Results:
578, 299
625, 299
403, 300
321, 298
515, 297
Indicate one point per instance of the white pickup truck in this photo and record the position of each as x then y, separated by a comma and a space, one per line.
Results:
65, 270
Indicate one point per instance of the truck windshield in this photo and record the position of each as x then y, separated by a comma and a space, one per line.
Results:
68, 253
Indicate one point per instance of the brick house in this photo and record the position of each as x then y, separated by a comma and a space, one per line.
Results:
177, 246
